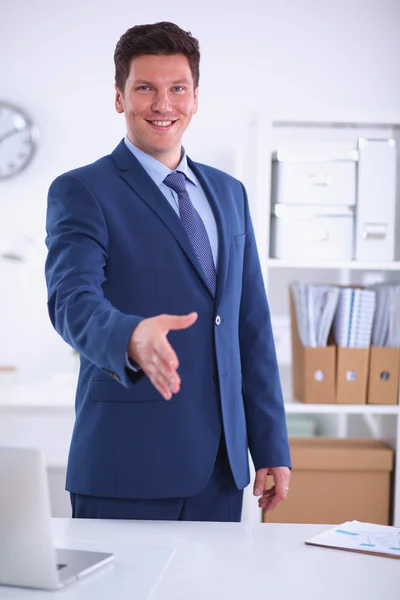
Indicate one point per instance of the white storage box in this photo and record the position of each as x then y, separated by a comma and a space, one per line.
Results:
304, 233
298, 180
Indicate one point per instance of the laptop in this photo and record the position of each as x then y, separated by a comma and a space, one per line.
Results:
27, 556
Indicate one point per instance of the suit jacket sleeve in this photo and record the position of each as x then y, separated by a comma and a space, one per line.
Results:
265, 415
77, 242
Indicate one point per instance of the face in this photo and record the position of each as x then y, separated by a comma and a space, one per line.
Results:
158, 101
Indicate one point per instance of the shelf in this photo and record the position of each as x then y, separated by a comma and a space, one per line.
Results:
295, 407
346, 119
352, 265
56, 393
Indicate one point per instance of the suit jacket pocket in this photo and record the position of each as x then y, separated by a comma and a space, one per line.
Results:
107, 390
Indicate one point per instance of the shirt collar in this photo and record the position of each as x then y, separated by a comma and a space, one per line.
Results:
156, 169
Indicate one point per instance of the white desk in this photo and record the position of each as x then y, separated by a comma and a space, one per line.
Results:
216, 561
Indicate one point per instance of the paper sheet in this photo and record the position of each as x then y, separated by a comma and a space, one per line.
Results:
315, 307
361, 537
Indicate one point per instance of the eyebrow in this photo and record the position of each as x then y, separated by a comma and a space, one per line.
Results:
143, 81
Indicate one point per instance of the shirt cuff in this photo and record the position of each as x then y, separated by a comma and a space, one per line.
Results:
130, 364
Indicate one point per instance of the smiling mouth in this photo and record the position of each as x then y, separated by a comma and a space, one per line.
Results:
162, 124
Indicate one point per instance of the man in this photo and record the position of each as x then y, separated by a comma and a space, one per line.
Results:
145, 244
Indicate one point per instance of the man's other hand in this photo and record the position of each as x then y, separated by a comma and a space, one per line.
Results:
273, 496
150, 349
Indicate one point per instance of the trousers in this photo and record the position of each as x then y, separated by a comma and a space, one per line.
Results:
220, 500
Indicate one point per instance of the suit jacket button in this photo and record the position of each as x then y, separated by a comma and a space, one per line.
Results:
215, 377
217, 320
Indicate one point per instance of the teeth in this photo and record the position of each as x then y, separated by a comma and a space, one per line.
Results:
162, 123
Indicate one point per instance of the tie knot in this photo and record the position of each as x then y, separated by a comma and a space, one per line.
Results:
176, 181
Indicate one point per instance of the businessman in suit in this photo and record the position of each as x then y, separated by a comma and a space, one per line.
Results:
153, 277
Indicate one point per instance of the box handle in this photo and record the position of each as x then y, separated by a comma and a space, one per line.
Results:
320, 179
374, 231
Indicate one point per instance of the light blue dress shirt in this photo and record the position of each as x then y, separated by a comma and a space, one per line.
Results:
158, 172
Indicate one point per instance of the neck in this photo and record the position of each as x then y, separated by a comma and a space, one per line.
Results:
170, 159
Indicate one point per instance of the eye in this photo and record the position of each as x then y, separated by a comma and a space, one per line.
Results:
143, 88
178, 88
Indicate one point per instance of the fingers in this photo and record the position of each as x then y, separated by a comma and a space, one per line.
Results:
165, 354
270, 503
164, 361
173, 322
259, 483
281, 486
161, 385
278, 492
162, 368
149, 348
163, 376
266, 497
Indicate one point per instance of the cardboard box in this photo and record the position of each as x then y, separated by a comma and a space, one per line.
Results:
383, 381
313, 369
352, 375
336, 480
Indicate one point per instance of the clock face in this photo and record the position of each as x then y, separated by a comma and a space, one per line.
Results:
17, 141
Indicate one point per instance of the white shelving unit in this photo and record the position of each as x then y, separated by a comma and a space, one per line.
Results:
275, 263
293, 406
265, 135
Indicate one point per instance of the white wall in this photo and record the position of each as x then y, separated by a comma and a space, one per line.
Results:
57, 64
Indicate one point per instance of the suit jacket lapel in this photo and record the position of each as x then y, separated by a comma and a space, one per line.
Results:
137, 178
215, 196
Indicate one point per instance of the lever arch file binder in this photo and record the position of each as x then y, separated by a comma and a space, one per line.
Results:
376, 200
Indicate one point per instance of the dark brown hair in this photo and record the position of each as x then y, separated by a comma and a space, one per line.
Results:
157, 38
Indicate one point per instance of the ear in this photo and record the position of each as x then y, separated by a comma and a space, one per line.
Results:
119, 101
196, 100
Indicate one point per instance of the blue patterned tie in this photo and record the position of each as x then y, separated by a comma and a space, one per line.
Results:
194, 226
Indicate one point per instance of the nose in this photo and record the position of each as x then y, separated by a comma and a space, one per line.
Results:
162, 103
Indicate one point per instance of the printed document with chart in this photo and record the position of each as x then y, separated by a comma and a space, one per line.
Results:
361, 537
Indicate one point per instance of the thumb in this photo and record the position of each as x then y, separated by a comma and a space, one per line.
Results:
179, 322
259, 483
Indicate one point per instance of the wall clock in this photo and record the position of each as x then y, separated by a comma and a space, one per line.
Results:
18, 137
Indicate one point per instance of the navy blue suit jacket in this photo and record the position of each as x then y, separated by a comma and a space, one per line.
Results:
118, 253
